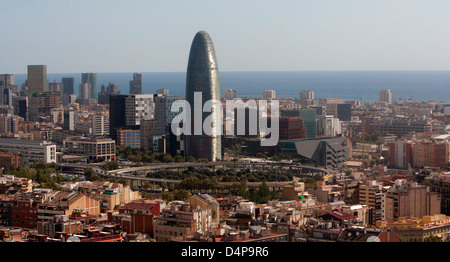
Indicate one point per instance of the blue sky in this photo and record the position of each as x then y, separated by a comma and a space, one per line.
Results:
71, 36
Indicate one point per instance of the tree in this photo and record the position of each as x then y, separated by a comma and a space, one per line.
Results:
178, 159
190, 159
167, 196
89, 172
181, 194
111, 165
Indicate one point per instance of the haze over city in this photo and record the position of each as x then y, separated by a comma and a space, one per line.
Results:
150, 36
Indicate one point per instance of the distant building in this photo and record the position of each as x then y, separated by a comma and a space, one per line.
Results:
37, 83
100, 125
20, 105
328, 126
136, 84
31, 151
112, 89
344, 111
8, 81
8, 161
229, 94
291, 128
92, 148
269, 94
386, 96
163, 92
163, 112
127, 111
327, 152
148, 130
247, 124
128, 137
306, 98
91, 78
309, 117
70, 119
68, 85
401, 154
85, 91
400, 125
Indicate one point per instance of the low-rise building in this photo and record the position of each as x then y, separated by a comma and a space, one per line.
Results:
419, 229
93, 148
31, 151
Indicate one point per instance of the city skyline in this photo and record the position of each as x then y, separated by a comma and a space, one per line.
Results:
79, 36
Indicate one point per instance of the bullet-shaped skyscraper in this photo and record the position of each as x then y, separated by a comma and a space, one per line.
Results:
203, 78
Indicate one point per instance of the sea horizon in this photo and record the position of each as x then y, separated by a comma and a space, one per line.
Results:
356, 85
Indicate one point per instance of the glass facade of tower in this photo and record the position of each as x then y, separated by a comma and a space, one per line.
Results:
91, 78
309, 117
203, 76
68, 85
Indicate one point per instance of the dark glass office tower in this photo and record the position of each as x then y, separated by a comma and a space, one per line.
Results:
68, 85
203, 76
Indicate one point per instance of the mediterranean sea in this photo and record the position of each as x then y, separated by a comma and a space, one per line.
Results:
363, 86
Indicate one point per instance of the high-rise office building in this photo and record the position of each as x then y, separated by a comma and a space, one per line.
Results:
136, 84
127, 111
386, 96
20, 105
68, 85
37, 83
91, 78
37, 79
85, 91
328, 126
291, 128
163, 112
203, 76
7, 87
70, 119
344, 112
7, 81
309, 117
112, 89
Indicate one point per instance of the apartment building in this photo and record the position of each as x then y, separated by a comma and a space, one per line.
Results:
409, 199
374, 195
180, 220
440, 183
139, 216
